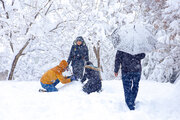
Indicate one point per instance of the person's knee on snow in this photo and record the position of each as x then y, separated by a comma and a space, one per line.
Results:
94, 82
49, 87
53, 76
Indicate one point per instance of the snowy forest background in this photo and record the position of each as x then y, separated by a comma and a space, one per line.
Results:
36, 35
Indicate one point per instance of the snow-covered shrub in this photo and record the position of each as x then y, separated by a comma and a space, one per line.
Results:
163, 65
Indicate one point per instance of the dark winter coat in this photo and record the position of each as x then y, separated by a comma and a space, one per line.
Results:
78, 54
129, 63
94, 82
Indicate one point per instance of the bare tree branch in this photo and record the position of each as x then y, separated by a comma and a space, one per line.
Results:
13, 2
29, 5
7, 15
12, 48
37, 14
20, 53
58, 25
48, 9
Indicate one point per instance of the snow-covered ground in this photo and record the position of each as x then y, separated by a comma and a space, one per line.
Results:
20, 100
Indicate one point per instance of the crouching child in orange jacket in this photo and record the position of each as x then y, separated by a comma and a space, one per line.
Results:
53, 76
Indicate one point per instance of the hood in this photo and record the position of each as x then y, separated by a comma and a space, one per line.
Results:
80, 38
60, 68
63, 64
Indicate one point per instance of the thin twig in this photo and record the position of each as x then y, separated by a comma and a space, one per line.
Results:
37, 14
57, 26
7, 15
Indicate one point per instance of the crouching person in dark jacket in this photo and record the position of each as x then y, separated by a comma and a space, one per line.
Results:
131, 74
94, 82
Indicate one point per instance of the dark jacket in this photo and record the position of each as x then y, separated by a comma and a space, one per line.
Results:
78, 54
129, 63
94, 82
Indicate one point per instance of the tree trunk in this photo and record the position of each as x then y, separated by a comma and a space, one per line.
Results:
10, 77
97, 53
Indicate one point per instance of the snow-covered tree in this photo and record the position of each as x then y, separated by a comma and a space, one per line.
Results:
162, 65
36, 35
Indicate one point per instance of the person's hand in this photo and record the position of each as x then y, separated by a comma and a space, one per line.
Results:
116, 74
53, 81
73, 78
67, 68
68, 77
82, 81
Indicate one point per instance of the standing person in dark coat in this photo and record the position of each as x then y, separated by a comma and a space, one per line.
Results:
94, 82
131, 74
78, 56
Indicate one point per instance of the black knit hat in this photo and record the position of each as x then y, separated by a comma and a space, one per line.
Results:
80, 38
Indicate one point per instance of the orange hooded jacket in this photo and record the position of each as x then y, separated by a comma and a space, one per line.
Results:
56, 73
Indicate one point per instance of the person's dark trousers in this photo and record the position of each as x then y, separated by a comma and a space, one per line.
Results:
131, 85
78, 71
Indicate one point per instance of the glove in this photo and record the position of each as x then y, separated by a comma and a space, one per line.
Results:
68, 77
73, 78
68, 68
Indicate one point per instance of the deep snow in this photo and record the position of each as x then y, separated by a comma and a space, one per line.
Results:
20, 100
